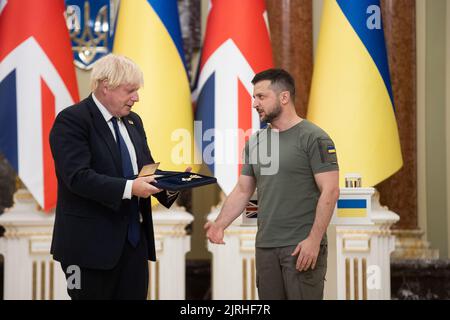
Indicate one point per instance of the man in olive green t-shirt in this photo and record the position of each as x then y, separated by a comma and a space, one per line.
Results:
297, 183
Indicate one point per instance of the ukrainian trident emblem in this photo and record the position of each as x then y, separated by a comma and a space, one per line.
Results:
91, 25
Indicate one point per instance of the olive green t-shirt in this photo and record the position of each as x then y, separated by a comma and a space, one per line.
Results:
284, 164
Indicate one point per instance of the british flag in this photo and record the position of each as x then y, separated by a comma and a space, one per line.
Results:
37, 80
236, 46
251, 210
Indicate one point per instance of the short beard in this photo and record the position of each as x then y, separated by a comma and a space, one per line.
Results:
273, 115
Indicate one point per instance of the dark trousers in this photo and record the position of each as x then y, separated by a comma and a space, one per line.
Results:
278, 279
128, 280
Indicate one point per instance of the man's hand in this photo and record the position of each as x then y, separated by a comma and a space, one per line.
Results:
188, 169
214, 232
307, 252
142, 188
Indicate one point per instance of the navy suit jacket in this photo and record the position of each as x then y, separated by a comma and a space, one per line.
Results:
91, 218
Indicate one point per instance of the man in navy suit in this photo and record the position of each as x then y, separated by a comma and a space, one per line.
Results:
103, 223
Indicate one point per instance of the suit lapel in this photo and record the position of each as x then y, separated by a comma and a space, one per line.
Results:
105, 132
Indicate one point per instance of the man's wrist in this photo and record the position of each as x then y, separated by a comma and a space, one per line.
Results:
127, 192
315, 237
220, 224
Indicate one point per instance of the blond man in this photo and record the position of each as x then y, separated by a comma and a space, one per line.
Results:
103, 233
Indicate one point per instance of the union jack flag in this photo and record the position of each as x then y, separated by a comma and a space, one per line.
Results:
37, 80
251, 210
236, 46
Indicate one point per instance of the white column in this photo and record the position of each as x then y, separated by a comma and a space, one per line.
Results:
233, 264
26, 247
363, 249
172, 244
28, 270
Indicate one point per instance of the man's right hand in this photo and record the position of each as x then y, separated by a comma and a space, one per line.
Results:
214, 232
142, 188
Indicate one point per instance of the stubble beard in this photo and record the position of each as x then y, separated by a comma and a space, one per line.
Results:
272, 115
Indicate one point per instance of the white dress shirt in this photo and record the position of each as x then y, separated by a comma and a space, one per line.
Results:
124, 132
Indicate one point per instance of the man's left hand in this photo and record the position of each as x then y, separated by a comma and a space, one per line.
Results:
307, 252
188, 169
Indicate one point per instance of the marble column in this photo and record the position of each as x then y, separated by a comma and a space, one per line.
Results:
290, 23
399, 192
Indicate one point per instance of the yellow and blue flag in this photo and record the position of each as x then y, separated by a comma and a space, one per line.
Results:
148, 32
352, 208
351, 95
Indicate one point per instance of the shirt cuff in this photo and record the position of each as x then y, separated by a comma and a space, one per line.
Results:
127, 190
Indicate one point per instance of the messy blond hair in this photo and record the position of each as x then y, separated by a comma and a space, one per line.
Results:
116, 70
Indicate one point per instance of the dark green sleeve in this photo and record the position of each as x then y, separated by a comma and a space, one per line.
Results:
322, 155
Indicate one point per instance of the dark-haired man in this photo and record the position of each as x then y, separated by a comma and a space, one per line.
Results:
296, 201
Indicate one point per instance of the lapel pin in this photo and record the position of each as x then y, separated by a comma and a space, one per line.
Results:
130, 122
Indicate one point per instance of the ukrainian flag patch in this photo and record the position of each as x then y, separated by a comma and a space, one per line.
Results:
327, 151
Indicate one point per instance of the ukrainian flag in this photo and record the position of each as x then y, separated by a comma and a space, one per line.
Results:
148, 32
351, 95
352, 208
